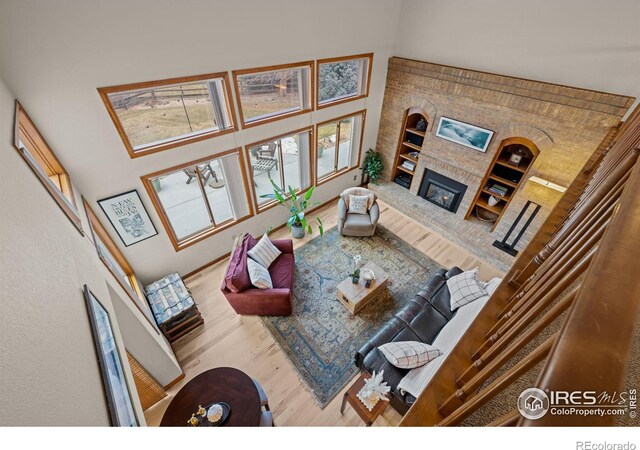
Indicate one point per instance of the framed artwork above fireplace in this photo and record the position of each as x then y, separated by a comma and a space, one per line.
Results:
464, 134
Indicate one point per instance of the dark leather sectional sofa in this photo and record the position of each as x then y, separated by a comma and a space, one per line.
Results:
421, 319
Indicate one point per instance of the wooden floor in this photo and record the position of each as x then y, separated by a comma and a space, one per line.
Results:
228, 339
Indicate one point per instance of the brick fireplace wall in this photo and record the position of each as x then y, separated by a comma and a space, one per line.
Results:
566, 124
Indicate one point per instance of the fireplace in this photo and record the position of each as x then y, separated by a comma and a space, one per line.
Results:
441, 191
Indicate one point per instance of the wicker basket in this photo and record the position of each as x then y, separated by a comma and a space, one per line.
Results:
486, 216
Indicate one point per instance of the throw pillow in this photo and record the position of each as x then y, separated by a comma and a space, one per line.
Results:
410, 354
358, 204
259, 275
465, 288
236, 277
264, 252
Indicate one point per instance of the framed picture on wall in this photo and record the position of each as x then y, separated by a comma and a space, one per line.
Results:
464, 134
119, 401
129, 217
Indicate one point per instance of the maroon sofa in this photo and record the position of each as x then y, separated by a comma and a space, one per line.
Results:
246, 299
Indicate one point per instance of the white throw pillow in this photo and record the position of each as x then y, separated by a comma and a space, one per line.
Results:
264, 252
259, 275
491, 285
410, 354
358, 204
465, 288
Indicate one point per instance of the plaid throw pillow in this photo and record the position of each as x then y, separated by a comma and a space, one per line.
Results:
465, 288
410, 354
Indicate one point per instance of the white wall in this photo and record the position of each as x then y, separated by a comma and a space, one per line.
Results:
593, 44
53, 56
48, 363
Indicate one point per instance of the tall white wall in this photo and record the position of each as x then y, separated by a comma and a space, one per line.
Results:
48, 363
53, 55
591, 44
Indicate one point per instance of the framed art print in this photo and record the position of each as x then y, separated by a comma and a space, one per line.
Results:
129, 217
119, 401
464, 134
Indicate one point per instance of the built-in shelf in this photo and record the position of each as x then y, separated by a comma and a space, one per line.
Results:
416, 132
411, 139
404, 169
413, 146
408, 157
504, 176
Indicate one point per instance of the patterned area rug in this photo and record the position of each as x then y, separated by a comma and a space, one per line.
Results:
321, 337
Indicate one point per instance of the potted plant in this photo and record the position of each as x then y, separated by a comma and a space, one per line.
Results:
372, 166
298, 223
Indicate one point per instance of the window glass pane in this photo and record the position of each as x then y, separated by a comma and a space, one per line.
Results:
326, 149
265, 165
52, 180
117, 270
291, 161
217, 191
180, 195
267, 94
157, 114
346, 143
339, 80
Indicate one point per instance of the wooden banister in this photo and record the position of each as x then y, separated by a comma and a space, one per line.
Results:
593, 348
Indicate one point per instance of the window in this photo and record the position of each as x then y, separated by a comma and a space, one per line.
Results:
41, 159
338, 144
272, 93
200, 198
343, 79
284, 159
159, 115
117, 264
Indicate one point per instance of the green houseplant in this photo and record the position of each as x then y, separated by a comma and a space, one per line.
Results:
298, 222
372, 166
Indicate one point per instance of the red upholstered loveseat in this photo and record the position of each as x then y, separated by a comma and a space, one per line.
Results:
246, 299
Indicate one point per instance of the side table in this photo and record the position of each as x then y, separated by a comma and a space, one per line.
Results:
173, 307
351, 397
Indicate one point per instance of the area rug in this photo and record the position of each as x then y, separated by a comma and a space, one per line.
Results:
321, 337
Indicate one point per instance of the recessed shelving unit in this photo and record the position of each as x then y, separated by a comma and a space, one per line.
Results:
409, 146
505, 175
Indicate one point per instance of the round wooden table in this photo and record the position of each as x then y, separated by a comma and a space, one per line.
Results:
223, 384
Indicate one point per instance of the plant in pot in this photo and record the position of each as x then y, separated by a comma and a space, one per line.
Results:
298, 222
372, 166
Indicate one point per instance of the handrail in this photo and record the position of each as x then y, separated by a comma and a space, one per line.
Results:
593, 349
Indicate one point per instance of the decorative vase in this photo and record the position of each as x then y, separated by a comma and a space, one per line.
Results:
297, 231
355, 279
492, 201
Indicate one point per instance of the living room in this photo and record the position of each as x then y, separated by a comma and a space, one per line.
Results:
225, 209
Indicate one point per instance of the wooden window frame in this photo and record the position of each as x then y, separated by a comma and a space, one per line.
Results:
365, 94
99, 231
257, 70
199, 236
268, 205
326, 178
45, 158
171, 142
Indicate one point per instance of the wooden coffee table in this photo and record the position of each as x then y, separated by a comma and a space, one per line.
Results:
351, 397
222, 384
355, 296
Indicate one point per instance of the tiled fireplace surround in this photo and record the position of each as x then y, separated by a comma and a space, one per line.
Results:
567, 125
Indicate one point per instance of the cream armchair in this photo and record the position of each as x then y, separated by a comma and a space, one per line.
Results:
357, 224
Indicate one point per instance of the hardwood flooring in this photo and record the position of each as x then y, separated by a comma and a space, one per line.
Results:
227, 339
